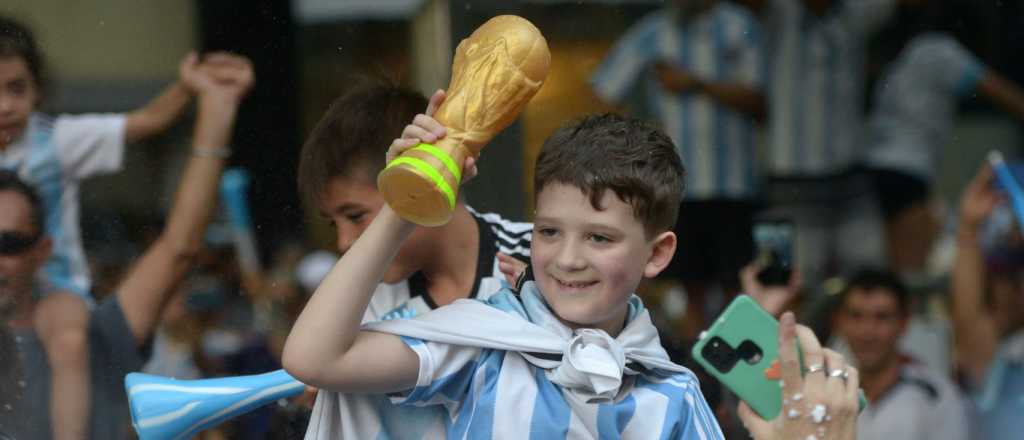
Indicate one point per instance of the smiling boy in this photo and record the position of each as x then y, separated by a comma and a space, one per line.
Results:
575, 353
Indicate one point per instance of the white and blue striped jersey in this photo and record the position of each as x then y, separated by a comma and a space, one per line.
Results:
53, 156
715, 142
915, 103
498, 394
817, 84
358, 416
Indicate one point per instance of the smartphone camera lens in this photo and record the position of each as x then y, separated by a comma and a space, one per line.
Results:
750, 352
720, 354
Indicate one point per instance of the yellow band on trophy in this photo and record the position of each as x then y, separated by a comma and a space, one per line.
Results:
443, 157
425, 168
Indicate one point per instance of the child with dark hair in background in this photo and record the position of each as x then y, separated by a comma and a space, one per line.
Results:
436, 266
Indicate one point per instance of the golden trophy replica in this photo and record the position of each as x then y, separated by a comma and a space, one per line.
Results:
495, 73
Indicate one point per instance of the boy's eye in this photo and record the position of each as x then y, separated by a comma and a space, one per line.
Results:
598, 238
547, 232
333, 224
356, 217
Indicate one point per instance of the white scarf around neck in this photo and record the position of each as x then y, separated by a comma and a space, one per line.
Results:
592, 363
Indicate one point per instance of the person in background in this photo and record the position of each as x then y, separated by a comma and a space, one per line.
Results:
120, 327
54, 154
915, 105
908, 400
988, 307
816, 51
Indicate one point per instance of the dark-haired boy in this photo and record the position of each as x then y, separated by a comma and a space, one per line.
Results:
608, 189
434, 267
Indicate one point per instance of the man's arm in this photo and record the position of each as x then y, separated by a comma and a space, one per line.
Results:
739, 97
1004, 93
142, 295
975, 332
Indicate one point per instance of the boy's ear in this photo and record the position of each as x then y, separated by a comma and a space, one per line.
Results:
662, 251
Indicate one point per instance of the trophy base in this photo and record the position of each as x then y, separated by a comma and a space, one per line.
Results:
414, 196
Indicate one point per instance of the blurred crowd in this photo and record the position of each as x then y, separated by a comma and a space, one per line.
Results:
811, 158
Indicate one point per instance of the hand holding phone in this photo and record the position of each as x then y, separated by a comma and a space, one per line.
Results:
791, 387
815, 405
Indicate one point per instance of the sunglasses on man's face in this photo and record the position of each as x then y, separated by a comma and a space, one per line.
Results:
15, 243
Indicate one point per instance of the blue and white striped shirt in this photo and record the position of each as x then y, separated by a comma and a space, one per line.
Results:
366, 416
497, 394
722, 45
817, 84
53, 156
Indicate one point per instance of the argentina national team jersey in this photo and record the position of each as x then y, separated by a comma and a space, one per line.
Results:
497, 394
352, 416
54, 156
817, 86
721, 45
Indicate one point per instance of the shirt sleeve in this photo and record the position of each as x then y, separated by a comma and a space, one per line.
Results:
626, 62
114, 341
445, 373
90, 144
951, 65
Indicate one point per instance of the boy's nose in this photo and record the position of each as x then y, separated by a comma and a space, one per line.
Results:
346, 239
569, 258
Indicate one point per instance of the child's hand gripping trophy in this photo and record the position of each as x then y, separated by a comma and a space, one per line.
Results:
495, 73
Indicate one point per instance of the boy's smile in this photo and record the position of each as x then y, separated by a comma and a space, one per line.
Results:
588, 262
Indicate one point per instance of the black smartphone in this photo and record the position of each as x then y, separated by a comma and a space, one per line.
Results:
774, 240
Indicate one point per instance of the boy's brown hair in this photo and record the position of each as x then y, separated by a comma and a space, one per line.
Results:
636, 161
352, 137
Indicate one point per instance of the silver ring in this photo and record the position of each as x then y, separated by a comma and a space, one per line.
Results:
839, 373
815, 368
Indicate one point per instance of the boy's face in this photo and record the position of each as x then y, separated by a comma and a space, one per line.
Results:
588, 262
351, 204
17, 98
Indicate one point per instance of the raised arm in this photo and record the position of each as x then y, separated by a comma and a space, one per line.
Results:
222, 81
326, 348
975, 331
160, 112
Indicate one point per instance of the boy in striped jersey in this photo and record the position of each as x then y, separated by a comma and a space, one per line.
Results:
435, 266
574, 354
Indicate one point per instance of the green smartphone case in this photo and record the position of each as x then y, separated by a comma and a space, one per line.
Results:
745, 320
